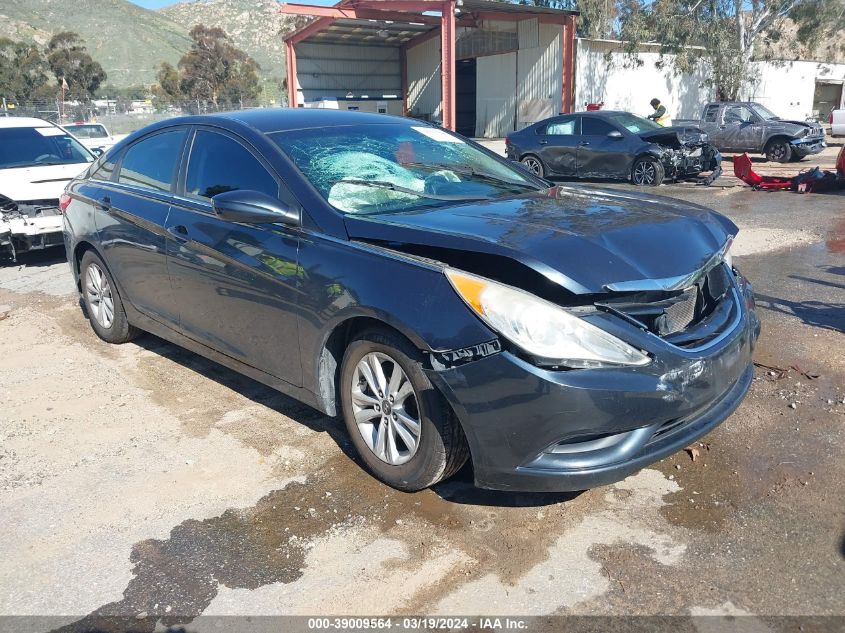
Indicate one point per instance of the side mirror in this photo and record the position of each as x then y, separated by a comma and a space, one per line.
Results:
615, 134
98, 151
252, 207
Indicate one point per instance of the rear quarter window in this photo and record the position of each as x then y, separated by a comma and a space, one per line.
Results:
151, 162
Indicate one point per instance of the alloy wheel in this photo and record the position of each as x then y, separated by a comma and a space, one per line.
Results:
644, 173
533, 165
99, 295
386, 409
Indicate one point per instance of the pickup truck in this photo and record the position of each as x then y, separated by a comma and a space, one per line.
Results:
745, 126
94, 136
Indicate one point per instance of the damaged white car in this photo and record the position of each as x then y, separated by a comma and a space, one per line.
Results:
37, 160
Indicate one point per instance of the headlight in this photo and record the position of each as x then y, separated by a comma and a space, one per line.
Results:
540, 328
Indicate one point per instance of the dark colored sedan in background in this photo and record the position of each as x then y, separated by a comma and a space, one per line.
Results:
614, 145
446, 303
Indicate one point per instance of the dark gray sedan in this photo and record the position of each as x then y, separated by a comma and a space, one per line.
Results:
447, 305
614, 145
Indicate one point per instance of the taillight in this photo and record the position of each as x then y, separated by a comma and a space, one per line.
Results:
64, 202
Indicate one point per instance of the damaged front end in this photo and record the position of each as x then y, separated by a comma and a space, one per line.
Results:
686, 153
29, 225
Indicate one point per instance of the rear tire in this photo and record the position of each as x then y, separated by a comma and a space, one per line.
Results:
534, 165
778, 151
647, 171
102, 301
401, 426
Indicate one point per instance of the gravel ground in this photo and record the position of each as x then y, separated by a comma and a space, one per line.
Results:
142, 479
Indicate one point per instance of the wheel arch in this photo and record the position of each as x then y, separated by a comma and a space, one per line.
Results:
777, 136
334, 344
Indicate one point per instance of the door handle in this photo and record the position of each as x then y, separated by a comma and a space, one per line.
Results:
543, 142
105, 203
179, 231
583, 143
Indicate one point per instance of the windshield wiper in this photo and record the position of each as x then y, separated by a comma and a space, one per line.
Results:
381, 184
473, 173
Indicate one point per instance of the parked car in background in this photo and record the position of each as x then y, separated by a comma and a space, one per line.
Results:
94, 136
442, 300
610, 144
37, 160
746, 126
837, 122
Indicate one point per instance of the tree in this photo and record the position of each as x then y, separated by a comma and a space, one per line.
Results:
596, 17
23, 72
69, 60
731, 32
213, 70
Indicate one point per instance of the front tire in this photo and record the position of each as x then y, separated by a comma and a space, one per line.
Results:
402, 428
647, 171
534, 165
778, 151
102, 301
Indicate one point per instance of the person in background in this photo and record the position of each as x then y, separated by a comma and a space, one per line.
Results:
660, 115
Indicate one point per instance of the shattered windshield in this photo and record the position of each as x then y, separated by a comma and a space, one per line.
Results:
36, 146
764, 112
383, 168
633, 123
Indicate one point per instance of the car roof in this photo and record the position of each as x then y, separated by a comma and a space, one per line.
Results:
268, 120
23, 121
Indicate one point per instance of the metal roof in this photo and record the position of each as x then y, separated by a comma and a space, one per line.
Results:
370, 32
375, 32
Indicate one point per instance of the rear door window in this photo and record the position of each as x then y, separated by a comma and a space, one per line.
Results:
711, 113
151, 162
565, 126
219, 163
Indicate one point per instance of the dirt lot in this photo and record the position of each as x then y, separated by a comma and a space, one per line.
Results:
143, 480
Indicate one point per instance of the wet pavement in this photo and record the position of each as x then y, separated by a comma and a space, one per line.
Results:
144, 481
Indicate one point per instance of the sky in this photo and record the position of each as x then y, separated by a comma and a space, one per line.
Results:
157, 4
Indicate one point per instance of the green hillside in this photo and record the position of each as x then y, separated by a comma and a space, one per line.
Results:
128, 41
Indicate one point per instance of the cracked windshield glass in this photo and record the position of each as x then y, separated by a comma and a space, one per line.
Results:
373, 169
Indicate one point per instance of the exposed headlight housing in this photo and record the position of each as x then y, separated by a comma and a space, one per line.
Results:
726, 252
540, 328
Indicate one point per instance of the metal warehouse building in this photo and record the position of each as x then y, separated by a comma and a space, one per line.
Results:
481, 68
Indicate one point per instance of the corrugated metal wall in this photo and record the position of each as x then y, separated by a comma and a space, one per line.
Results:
334, 70
495, 101
424, 85
519, 88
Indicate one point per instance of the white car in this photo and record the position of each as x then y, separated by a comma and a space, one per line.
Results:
837, 122
37, 160
94, 136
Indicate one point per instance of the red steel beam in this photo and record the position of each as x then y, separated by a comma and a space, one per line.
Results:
358, 14
568, 52
290, 58
403, 71
398, 5
447, 63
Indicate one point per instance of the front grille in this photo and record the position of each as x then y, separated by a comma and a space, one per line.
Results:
678, 315
683, 317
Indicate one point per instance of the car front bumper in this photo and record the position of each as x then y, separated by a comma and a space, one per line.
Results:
806, 147
534, 429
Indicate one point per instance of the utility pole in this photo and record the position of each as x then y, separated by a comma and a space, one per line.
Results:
5, 108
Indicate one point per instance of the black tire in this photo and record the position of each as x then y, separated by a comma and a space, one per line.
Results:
534, 165
647, 171
117, 330
778, 150
441, 449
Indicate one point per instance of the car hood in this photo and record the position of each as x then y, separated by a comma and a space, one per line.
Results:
682, 134
46, 182
793, 127
582, 238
